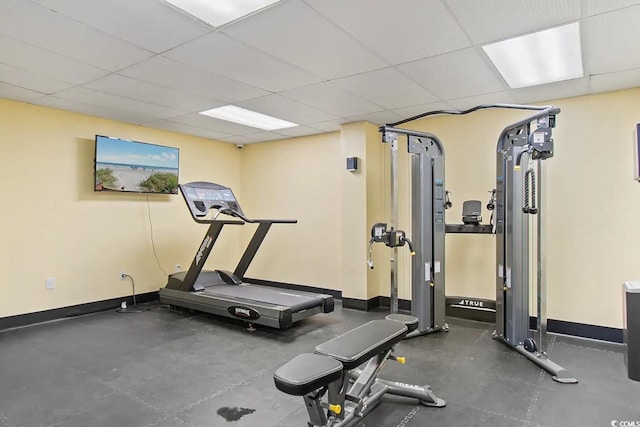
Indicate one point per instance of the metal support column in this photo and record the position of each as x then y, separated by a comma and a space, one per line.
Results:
393, 216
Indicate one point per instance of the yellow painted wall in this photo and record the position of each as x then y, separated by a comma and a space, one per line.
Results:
52, 223
297, 178
592, 203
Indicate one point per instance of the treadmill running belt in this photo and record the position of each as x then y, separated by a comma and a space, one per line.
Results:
294, 300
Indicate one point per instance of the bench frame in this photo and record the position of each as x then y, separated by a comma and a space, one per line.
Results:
358, 391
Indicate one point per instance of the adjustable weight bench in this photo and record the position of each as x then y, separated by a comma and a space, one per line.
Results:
345, 370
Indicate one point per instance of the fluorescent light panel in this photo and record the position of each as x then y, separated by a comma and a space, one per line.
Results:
546, 56
219, 12
231, 113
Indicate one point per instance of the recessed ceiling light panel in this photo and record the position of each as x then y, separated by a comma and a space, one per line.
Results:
546, 56
219, 12
242, 116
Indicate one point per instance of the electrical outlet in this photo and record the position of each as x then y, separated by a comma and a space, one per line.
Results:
50, 283
178, 267
123, 275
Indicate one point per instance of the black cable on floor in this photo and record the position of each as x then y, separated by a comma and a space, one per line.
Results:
135, 308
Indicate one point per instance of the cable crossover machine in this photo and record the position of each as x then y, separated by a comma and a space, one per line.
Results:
516, 200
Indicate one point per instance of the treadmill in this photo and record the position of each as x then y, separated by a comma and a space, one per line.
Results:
223, 292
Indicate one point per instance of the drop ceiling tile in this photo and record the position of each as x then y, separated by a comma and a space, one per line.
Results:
379, 118
415, 110
49, 30
607, 39
222, 55
615, 81
266, 136
455, 75
298, 131
503, 97
388, 88
286, 109
241, 139
153, 94
53, 101
150, 24
551, 91
185, 129
173, 74
297, 34
40, 61
332, 99
329, 125
596, 7
206, 122
29, 80
400, 31
118, 103
491, 20
16, 93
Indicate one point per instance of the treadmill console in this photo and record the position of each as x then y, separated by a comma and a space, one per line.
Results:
203, 196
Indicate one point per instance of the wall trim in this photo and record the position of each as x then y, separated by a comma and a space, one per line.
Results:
583, 330
72, 311
360, 304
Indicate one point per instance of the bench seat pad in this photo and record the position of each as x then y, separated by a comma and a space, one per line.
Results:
355, 347
305, 373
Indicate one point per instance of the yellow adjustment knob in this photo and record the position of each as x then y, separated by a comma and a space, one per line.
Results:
432, 284
336, 409
505, 288
413, 253
401, 359
517, 167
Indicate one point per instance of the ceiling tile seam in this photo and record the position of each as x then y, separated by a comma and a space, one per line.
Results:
630, 6
248, 15
83, 86
348, 34
422, 59
22, 87
58, 54
171, 119
117, 73
84, 24
275, 58
81, 103
426, 89
37, 74
455, 19
584, 53
208, 33
616, 71
328, 112
269, 92
360, 96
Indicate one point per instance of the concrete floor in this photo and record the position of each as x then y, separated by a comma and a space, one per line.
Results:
161, 368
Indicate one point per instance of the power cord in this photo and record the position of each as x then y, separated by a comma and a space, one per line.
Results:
124, 308
153, 243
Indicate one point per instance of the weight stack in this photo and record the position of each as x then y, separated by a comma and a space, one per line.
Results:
631, 331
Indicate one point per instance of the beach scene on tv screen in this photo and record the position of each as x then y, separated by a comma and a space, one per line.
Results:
134, 166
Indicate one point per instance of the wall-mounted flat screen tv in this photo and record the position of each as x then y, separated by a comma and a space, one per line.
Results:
137, 167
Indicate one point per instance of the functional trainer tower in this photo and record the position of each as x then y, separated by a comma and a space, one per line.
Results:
521, 148
428, 202
520, 152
